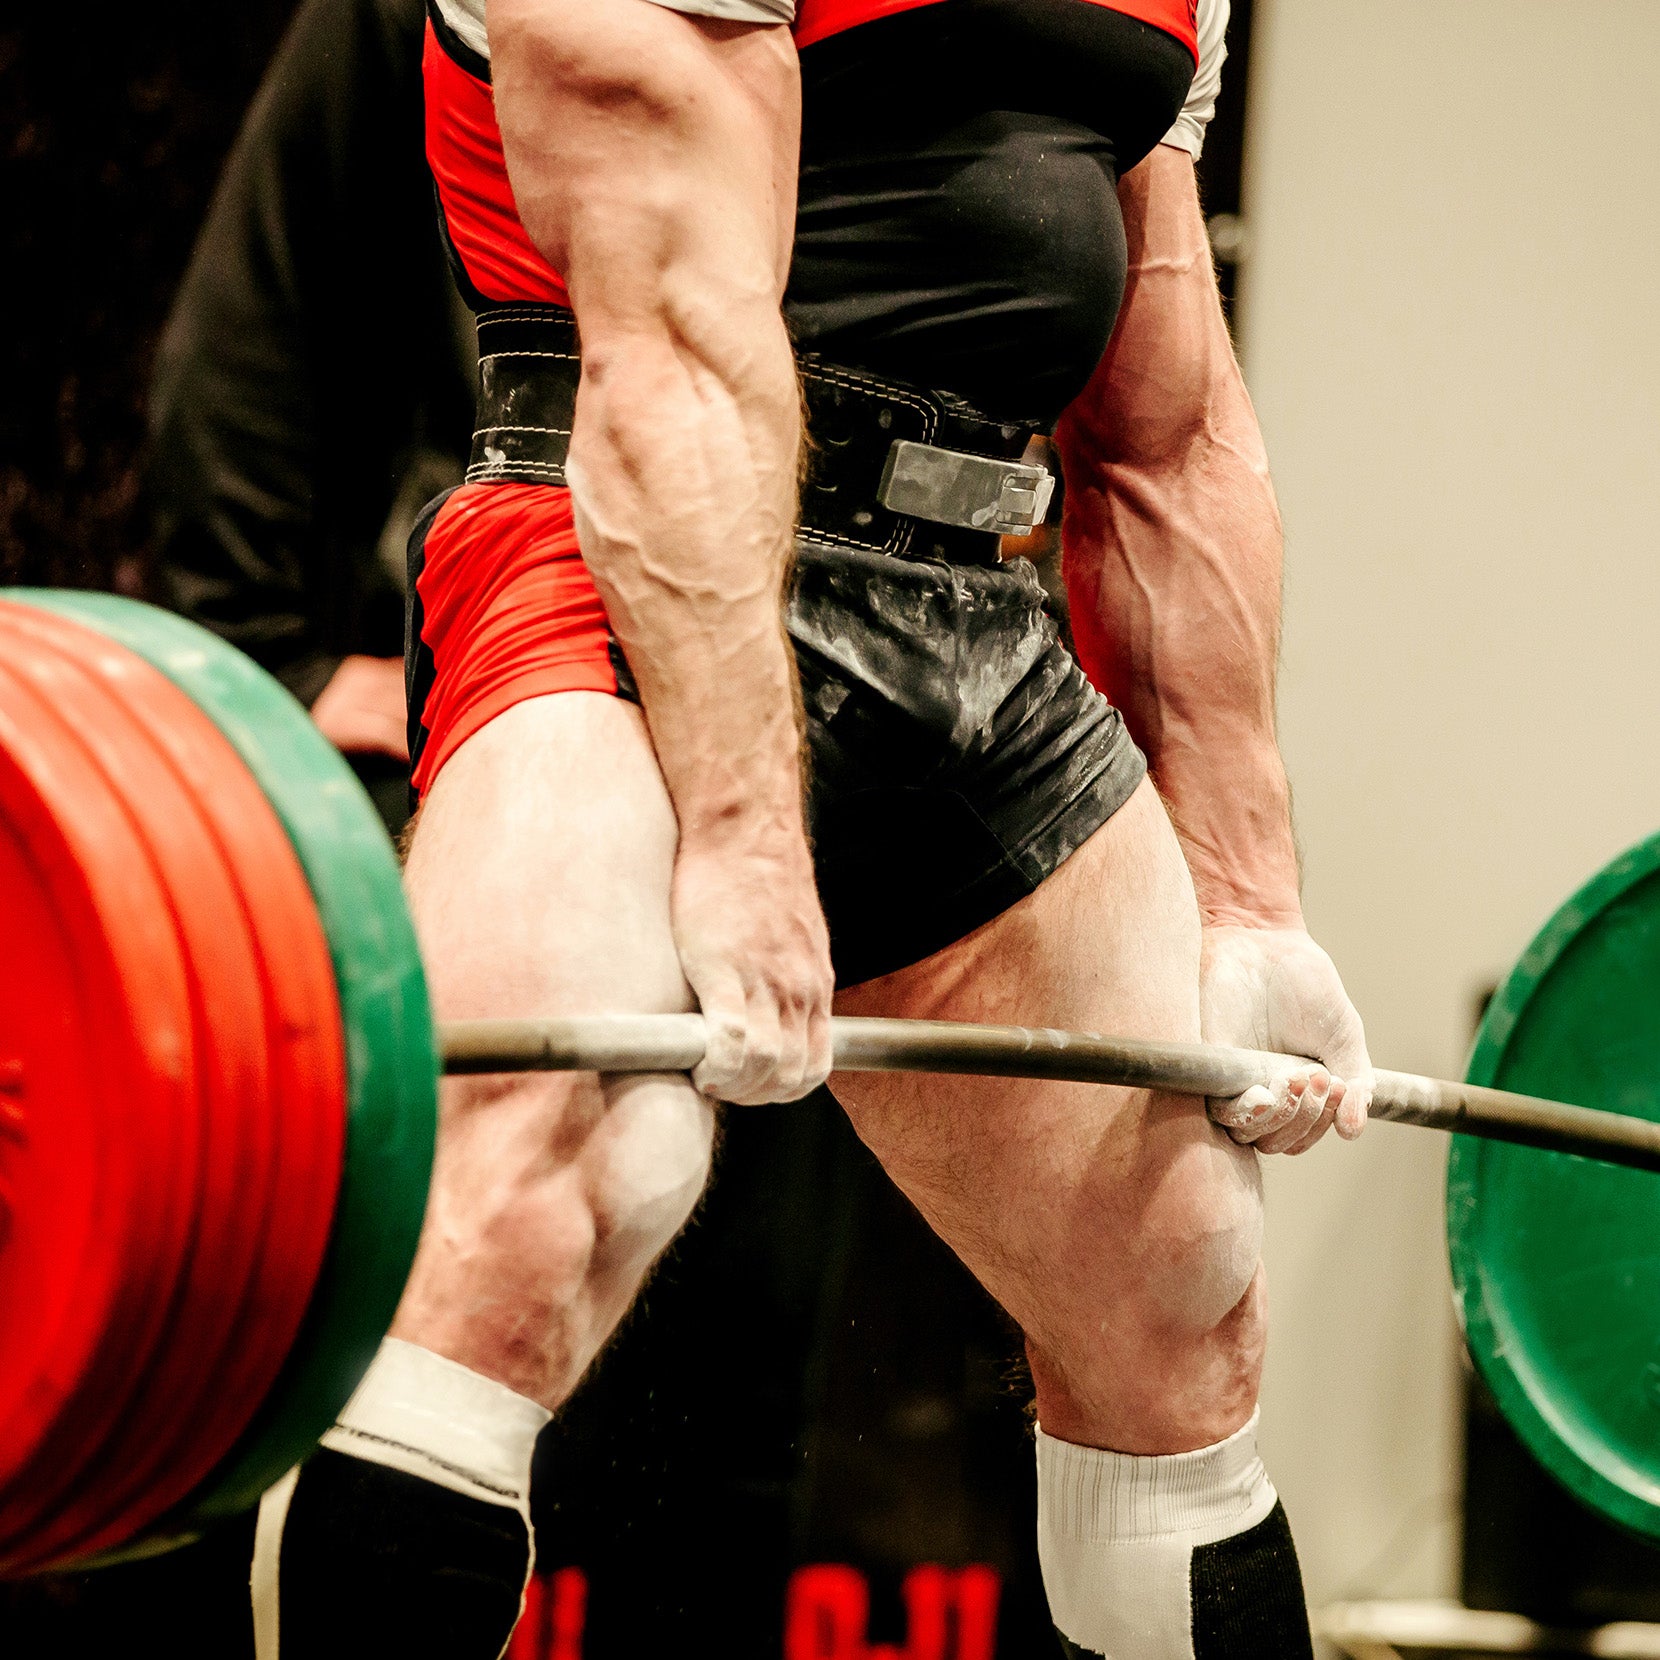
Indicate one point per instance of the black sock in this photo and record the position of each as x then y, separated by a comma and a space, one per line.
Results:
407, 1532
1248, 1595
377, 1561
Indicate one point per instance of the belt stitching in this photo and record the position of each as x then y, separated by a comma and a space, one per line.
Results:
905, 525
899, 538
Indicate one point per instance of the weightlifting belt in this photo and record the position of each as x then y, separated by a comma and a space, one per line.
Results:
891, 467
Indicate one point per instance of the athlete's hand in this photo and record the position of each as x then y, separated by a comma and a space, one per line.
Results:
1274, 988
361, 710
753, 945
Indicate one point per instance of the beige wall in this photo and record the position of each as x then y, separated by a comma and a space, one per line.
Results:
1451, 325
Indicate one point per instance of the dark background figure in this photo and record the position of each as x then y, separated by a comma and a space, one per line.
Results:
113, 130
313, 386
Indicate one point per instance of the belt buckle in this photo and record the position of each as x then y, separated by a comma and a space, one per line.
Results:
972, 492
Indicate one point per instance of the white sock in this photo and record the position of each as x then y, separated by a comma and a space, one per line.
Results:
432, 1417
1123, 1541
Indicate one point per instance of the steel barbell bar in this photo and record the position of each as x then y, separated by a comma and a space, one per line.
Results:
675, 1043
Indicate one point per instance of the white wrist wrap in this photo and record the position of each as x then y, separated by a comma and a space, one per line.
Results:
418, 1412
1116, 1536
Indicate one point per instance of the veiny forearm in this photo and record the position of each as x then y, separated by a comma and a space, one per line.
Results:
1186, 650
666, 199
685, 475
1173, 559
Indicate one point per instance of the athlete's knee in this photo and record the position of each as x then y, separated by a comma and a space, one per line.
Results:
645, 1167
509, 1199
1200, 1243
583, 1181
551, 1197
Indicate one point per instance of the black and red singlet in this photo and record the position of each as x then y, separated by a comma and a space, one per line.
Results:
955, 224
958, 229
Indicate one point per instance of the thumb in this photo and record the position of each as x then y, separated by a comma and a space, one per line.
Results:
1258, 1112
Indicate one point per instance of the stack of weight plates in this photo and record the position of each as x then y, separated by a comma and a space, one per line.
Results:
217, 1083
1556, 1259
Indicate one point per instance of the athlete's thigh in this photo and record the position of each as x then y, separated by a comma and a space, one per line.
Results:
539, 879
1050, 1191
540, 865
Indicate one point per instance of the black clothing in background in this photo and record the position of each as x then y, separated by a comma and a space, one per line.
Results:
314, 385
114, 122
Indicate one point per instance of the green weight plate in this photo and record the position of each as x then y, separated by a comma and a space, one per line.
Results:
390, 1057
1556, 1259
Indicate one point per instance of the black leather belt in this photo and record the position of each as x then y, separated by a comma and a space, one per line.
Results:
891, 467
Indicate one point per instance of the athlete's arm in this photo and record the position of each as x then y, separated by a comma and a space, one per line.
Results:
1172, 540
653, 158
361, 711
1173, 556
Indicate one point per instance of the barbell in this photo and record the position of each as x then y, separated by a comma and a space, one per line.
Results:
218, 1078
675, 1043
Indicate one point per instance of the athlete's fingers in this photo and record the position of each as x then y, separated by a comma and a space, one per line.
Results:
755, 951
1357, 1104
1328, 1114
757, 1075
788, 1079
726, 1037
819, 1053
1312, 1103
1276, 989
805, 1062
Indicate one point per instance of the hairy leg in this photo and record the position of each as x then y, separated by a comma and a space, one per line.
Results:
1120, 1228
539, 877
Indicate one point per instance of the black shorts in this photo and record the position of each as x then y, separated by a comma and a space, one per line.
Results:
958, 752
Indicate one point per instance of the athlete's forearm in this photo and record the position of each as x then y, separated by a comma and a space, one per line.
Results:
1173, 556
653, 162
685, 482
1178, 623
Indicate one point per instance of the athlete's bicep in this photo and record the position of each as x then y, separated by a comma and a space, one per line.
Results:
648, 147
1170, 354
1170, 358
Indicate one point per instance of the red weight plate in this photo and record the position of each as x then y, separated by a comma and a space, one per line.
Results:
63, 692
66, 1206
304, 1132
268, 1024
154, 1129
231, 1084
296, 1114
96, 1035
